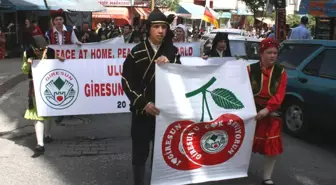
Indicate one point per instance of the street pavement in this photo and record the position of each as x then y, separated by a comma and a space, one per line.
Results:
10, 74
96, 150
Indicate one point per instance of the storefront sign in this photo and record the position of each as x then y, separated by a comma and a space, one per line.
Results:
106, 50
200, 136
115, 2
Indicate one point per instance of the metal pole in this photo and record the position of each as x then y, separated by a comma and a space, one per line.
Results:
153, 4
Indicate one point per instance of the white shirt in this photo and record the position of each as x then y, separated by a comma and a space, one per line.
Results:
155, 47
74, 39
220, 53
299, 33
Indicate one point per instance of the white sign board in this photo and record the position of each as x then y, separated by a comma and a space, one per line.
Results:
114, 49
79, 87
206, 124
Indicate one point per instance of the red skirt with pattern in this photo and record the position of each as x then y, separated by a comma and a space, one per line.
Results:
267, 138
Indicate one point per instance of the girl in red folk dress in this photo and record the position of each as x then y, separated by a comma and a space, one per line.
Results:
268, 83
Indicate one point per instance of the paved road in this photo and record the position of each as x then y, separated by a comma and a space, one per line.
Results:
95, 150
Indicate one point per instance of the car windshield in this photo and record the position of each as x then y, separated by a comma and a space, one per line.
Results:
245, 49
292, 55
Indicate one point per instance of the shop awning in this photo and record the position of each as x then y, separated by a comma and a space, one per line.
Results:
113, 13
193, 11
6, 4
224, 15
318, 7
143, 12
68, 5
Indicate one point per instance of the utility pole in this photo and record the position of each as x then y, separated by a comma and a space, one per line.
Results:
280, 22
153, 4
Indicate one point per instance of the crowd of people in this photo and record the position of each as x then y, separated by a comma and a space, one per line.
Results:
156, 47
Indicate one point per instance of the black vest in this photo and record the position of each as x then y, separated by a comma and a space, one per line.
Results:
257, 79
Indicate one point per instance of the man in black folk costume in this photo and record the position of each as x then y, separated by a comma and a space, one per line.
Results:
138, 80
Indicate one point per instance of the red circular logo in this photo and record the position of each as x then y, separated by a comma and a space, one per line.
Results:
172, 149
212, 143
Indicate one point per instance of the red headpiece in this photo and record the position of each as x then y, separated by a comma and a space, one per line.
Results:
268, 43
57, 13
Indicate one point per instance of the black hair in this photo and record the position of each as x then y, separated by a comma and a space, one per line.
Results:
304, 20
129, 26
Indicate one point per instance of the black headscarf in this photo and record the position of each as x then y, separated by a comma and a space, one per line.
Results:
219, 37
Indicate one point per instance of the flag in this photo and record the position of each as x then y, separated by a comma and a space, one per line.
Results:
209, 17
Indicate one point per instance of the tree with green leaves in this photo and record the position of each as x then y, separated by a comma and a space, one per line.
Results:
294, 20
256, 6
172, 5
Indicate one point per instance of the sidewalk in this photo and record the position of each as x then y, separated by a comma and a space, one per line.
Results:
10, 74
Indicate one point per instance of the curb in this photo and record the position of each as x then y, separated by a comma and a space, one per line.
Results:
8, 84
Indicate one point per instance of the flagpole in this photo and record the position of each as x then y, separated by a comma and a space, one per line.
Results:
200, 26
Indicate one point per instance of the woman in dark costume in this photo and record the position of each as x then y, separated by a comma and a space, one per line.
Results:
220, 46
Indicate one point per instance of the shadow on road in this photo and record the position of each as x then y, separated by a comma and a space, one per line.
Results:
322, 137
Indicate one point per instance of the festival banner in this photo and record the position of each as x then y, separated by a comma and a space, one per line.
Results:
109, 50
206, 124
76, 87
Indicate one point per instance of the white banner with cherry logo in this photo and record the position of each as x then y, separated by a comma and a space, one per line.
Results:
206, 124
75, 87
109, 50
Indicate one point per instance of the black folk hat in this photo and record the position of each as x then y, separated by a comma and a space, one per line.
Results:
156, 17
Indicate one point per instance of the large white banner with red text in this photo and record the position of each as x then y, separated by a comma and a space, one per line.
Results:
77, 87
106, 50
206, 124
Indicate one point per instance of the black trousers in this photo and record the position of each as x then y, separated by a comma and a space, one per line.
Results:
142, 132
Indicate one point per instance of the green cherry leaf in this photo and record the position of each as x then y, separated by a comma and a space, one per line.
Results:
226, 99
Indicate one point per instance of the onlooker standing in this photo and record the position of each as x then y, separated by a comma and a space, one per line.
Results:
181, 33
87, 35
127, 33
27, 35
301, 32
102, 33
36, 29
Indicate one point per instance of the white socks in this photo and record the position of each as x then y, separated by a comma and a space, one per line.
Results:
268, 167
42, 128
39, 131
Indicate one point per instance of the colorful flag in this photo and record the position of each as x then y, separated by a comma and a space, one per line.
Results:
209, 17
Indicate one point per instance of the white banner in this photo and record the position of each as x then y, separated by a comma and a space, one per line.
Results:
79, 87
113, 49
206, 124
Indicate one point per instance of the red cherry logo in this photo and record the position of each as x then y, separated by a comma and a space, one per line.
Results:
59, 98
172, 148
212, 143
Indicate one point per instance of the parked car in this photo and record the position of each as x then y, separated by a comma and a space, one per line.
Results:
311, 90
